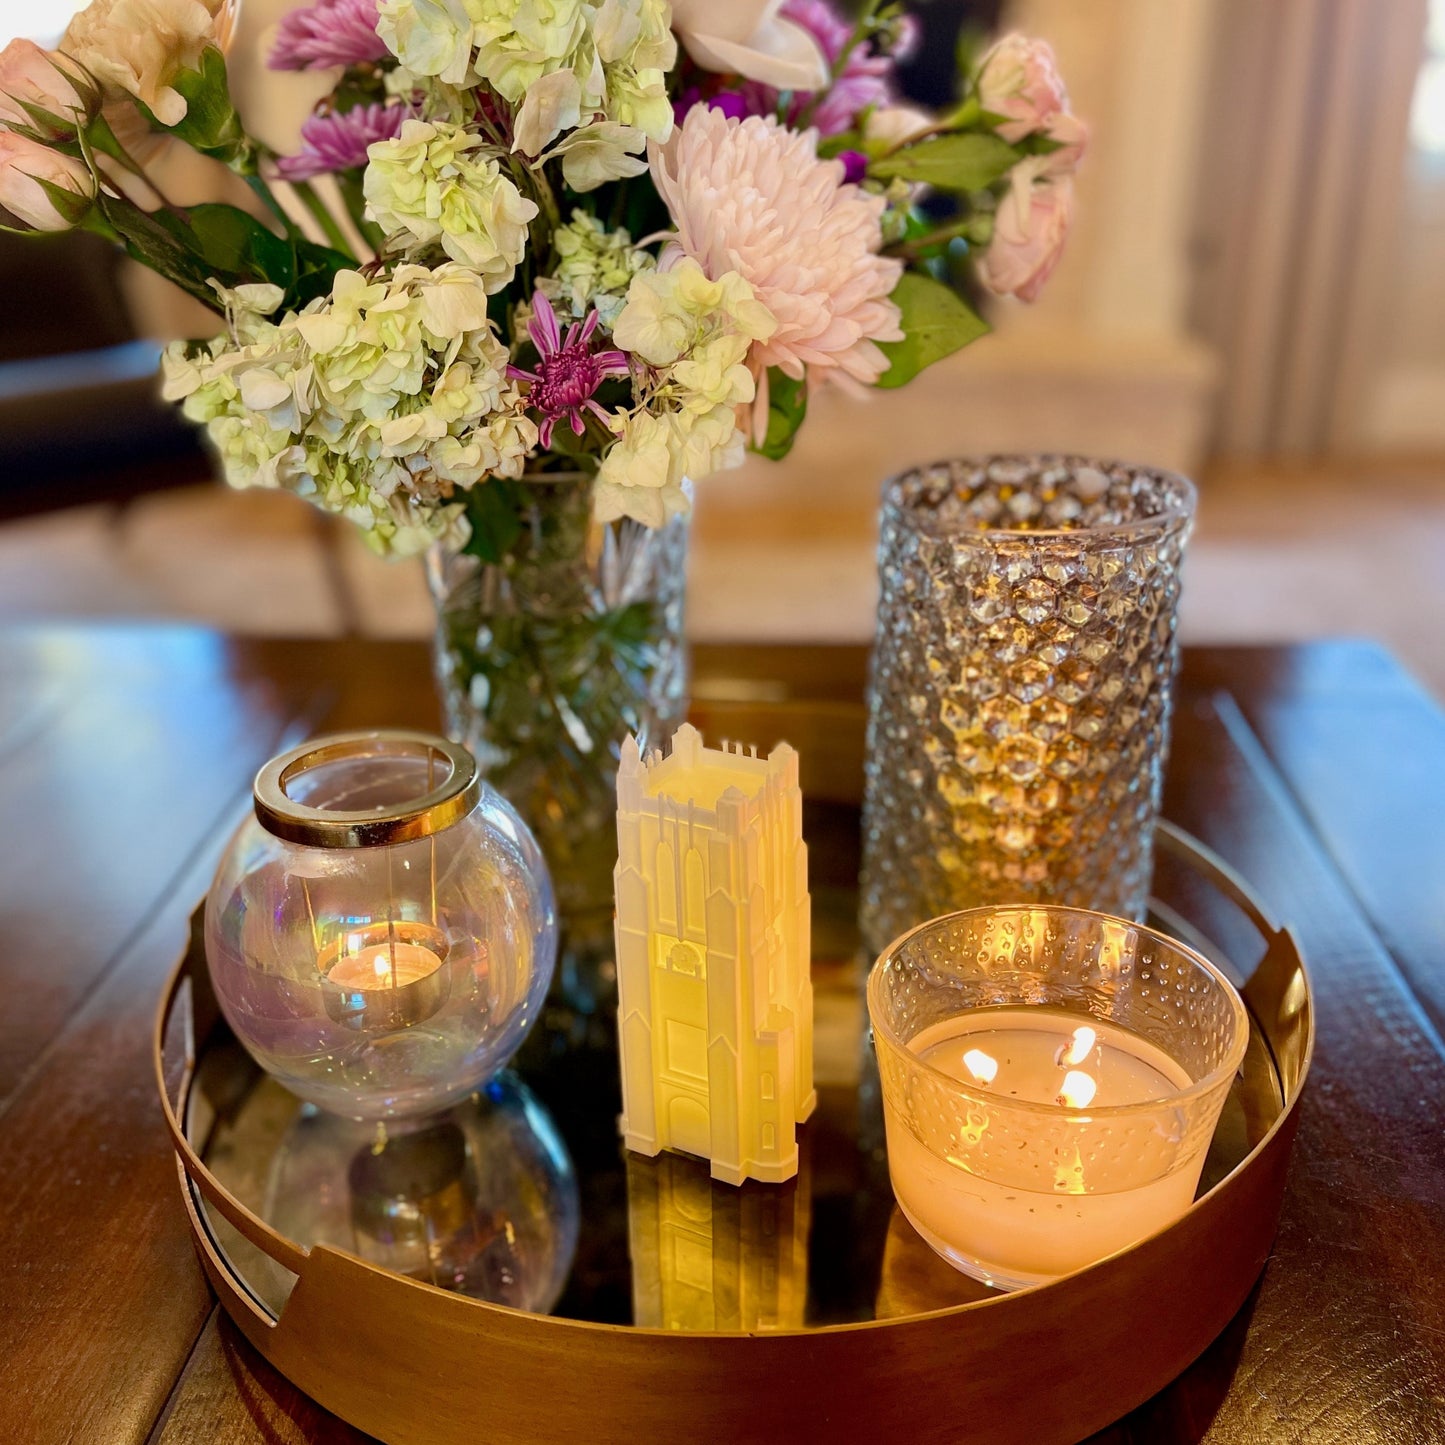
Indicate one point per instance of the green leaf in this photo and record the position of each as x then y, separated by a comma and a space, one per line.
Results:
315, 269
787, 406
237, 244
970, 162
72, 206
152, 243
494, 510
936, 322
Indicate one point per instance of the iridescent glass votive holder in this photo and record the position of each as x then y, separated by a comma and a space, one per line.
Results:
1020, 688
381, 930
1051, 1081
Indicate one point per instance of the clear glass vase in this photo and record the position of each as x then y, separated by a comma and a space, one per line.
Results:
1020, 688
547, 660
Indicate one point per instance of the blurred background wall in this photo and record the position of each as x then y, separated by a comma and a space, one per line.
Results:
1254, 292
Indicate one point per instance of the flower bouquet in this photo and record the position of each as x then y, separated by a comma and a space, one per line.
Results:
536, 268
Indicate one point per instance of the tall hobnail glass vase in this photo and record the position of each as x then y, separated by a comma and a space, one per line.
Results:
1020, 688
546, 661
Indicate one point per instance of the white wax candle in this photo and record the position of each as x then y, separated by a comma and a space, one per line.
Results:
1065, 1191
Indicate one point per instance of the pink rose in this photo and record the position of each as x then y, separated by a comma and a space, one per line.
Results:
1029, 230
1021, 82
27, 73
24, 163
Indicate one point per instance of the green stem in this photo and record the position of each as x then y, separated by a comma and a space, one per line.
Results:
862, 32
965, 229
257, 183
349, 183
100, 137
547, 198
321, 213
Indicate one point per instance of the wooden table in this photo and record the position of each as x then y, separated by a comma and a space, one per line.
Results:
125, 760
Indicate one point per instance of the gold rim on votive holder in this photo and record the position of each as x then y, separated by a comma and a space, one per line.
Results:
387, 1006
400, 821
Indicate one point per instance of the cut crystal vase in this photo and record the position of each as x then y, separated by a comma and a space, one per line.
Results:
1020, 687
546, 661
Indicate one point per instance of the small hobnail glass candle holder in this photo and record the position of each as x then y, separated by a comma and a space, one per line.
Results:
1020, 688
1051, 1081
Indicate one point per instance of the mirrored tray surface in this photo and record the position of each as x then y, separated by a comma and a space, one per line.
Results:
523, 1195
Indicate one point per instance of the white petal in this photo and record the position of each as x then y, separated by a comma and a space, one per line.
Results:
779, 53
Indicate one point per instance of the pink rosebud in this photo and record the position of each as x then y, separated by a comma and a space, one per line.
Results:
24, 163
1030, 227
1072, 136
29, 74
1021, 82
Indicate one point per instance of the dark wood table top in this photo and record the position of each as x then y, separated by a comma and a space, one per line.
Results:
125, 759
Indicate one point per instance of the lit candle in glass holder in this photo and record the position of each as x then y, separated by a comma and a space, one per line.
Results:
1051, 1081
385, 975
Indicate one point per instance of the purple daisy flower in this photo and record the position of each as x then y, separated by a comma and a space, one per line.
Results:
331, 32
338, 141
568, 370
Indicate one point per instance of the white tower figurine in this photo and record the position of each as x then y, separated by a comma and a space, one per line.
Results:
715, 1001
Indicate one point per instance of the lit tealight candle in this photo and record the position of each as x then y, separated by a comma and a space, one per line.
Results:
385, 976
384, 965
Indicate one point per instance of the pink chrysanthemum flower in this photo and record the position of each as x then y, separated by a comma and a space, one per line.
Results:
338, 141
568, 370
753, 197
331, 32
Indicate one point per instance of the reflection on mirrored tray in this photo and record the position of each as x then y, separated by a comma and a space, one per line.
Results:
523, 1195
482, 1199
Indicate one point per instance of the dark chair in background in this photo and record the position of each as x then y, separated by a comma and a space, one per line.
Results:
81, 419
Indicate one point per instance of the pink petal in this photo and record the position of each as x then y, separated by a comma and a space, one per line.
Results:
543, 326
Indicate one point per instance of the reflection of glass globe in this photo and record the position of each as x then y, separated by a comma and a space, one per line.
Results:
381, 934
481, 1200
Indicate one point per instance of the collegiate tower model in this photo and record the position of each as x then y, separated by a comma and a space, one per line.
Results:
715, 1002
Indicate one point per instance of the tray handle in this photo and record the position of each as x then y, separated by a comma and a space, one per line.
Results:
250, 1226
1277, 987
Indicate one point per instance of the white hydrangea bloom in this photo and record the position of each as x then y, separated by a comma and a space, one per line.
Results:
377, 402
695, 333
430, 184
594, 268
563, 64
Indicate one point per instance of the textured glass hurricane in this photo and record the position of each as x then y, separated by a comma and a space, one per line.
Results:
1020, 688
548, 660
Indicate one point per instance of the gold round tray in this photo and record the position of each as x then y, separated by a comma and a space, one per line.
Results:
807, 1311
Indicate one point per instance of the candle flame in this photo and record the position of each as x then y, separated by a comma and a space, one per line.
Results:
1078, 1089
983, 1067
1079, 1047
382, 965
